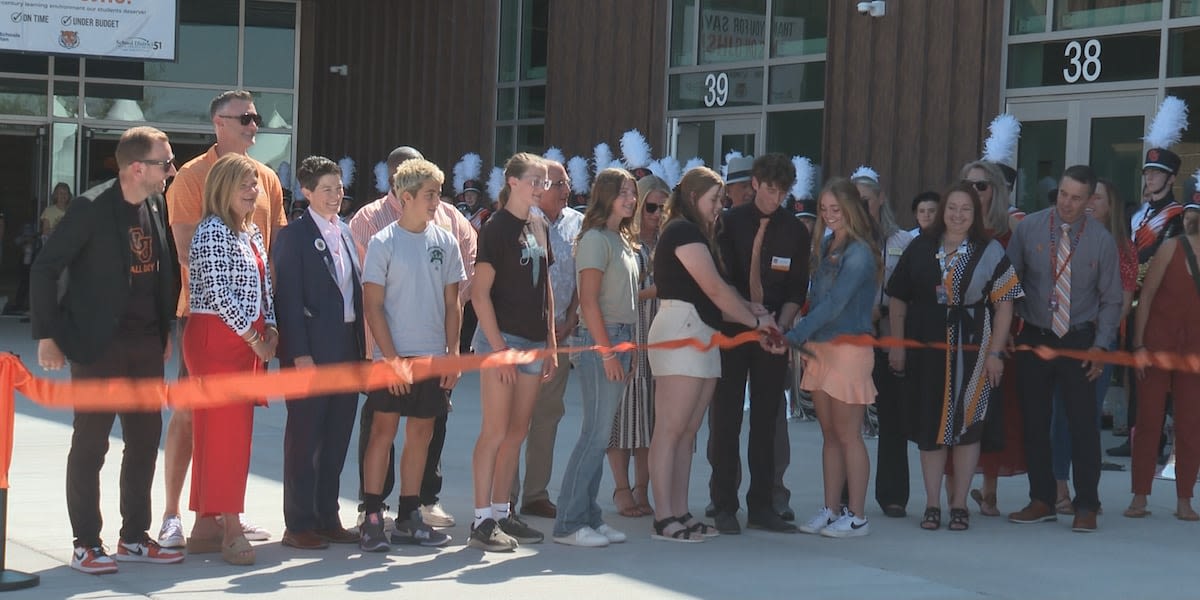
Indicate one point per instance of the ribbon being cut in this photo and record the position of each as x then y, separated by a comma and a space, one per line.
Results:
205, 392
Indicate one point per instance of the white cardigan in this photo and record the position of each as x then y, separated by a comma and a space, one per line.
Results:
223, 275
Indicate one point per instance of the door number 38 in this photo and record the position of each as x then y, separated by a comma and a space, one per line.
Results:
1083, 61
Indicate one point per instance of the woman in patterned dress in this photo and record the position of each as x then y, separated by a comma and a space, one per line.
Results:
635, 415
953, 285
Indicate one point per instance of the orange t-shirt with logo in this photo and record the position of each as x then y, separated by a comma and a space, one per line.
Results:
185, 206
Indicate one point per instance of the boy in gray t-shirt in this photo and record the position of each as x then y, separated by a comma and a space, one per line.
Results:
410, 299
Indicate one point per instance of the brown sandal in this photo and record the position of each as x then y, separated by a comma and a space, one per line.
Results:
1136, 512
239, 552
627, 505
960, 519
932, 520
203, 545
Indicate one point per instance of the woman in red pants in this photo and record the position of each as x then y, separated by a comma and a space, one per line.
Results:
1168, 320
231, 330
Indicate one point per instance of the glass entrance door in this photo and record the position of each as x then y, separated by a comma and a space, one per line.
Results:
1105, 133
712, 139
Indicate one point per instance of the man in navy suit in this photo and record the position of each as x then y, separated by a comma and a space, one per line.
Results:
319, 308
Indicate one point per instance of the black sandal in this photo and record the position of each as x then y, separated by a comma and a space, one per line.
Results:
960, 519
932, 521
704, 529
684, 534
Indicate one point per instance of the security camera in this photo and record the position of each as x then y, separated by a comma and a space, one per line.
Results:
871, 9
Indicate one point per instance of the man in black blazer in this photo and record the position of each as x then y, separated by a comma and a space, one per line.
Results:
114, 319
318, 302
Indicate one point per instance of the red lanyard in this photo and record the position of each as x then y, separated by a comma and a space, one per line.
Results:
1054, 268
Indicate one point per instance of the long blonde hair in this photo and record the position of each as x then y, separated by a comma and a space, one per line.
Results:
859, 225
996, 219
605, 191
221, 188
516, 166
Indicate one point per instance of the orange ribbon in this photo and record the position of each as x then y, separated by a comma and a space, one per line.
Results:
122, 394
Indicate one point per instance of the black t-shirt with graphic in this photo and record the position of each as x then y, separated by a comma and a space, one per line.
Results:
519, 252
141, 310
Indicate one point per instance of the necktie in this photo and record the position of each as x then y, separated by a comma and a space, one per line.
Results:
756, 288
1062, 285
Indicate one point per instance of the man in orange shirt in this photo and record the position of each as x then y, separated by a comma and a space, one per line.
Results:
235, 121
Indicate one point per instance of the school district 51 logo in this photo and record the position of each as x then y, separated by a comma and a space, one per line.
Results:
68, 39
436, 255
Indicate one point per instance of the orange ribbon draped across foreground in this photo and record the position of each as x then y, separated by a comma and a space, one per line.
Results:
119, 395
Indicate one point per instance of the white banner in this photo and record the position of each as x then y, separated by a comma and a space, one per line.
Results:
139, 29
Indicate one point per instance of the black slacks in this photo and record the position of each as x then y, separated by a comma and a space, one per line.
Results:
1039, 379
891, 458
767, 373
133, 357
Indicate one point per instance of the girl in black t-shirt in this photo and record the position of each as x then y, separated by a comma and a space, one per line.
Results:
515, 306
694, 300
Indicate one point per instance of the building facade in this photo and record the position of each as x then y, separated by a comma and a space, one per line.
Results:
909, 93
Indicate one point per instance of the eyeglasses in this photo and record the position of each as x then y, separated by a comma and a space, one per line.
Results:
980, 186
652, 207
166, 164
562, 183
538, 182
246, 118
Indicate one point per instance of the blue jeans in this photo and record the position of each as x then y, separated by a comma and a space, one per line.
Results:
1060, 433
514, 342
577, 506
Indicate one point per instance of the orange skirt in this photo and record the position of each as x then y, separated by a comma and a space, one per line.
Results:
840, 370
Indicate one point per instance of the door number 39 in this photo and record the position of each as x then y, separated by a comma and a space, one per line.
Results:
717, 89
1083, 61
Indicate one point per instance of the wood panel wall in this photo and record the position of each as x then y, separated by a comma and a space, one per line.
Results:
911, 93
421, 73
606, 73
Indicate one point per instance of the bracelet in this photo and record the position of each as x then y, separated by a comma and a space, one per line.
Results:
609, 356
254, 339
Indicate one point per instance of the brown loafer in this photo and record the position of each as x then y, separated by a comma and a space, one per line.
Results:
1085, 521
1034, 512
540, 508
304, 540
337, 535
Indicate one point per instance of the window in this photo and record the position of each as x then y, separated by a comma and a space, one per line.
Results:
521, 78
1079, 14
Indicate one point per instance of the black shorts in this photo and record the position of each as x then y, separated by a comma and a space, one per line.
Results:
425, 400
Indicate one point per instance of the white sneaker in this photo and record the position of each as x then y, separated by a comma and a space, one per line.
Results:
614, 536
435, 516
93, 560
171, 533
819, 521
586, 537
847, 525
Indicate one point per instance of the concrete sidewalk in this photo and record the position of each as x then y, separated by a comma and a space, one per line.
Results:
1153, 557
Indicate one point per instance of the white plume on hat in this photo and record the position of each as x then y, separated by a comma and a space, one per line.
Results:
672, 172
656, 169
381, 177
347, 167
803, 188
602, 157
1001, 144
692, 163
284, 172
1169, 123
495, 183
732, 154
865, 172
635, 150
577, 168
468, 167
555, 154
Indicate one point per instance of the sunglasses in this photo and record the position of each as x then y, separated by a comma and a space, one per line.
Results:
246, 118
166, 164
652, 207
980, 186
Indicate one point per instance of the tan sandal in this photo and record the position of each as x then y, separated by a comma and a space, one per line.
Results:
643, 500
1136, 512
203, 545
627, 505
239, 552
987, 504
1192, 516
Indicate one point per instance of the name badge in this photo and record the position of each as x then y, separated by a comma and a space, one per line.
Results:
781, 263
942, 296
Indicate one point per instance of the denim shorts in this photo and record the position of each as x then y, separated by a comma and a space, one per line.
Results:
515, 342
